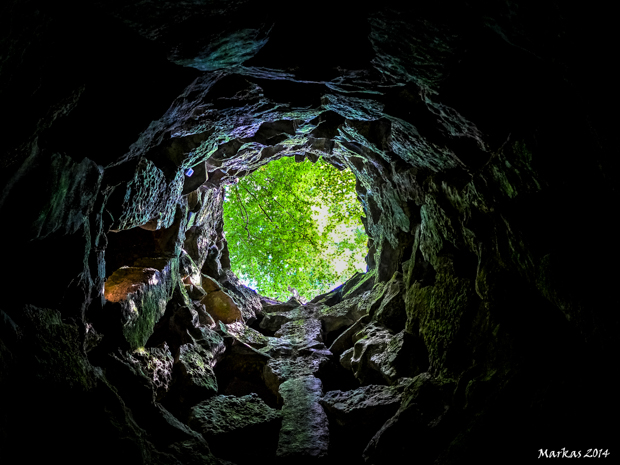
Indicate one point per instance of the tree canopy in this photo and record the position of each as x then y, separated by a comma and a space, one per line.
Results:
294, 224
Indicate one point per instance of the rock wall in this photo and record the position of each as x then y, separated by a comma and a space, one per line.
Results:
480, 135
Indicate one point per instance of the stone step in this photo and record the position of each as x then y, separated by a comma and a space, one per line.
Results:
304, 436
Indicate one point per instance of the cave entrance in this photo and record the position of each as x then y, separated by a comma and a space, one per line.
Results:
294, 226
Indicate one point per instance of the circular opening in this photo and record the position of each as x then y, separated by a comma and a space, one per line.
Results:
294, 226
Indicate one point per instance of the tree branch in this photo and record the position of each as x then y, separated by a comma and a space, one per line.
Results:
309, 239
260, 206
246, 218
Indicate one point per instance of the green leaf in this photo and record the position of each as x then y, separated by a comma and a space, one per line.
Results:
294, 224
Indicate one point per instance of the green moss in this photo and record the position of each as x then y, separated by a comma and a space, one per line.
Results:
56, 349
143, 310
440, 312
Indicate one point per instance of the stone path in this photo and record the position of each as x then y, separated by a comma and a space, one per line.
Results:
304, 435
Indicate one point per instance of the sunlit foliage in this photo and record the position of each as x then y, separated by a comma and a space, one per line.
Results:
294, 224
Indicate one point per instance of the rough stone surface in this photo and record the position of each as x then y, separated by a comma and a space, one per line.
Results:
344, 341
424, 413
228, 421
305, 432
272, 321
221, 307
228, 414
354, 414
195, 371
341, 315
391, 312
156, 364
367, 404
481, 135
382, 357
140, 295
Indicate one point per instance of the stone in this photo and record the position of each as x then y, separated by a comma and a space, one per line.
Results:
195, 293
354, 416
358, 284
345, 340
300, 352
281, 307
209, 340
129, 280
194, 373
305, 430
203, 317
278, 370
423, 414
209, 284
225, 421
197, 351
181, 320
391, 312
273, 321
329, 298
266, 301
438, 312
221, 307
222, 415
380, 356
156, 363
301, 333
341, 315
189, 271
248, 336
245, 298
241, 372
144, 197
372, 404
140, 295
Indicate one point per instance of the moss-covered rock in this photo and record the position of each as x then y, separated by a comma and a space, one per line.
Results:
441, 314
229, 422
305, 431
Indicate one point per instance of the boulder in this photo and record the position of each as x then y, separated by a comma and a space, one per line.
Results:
238, 428
300, 351
341, 315
329, 298
355, 415
301, 333
246, 299
278, 370
248, 336
140, 294
379, 356
194, 376
305, 430
282, 307
424, 415
156, 363
391, 312
221, 307
358, 284
203, 317
209, 284
190, 272
129, 280
273, 321
196, 293
359, 408
345, 340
